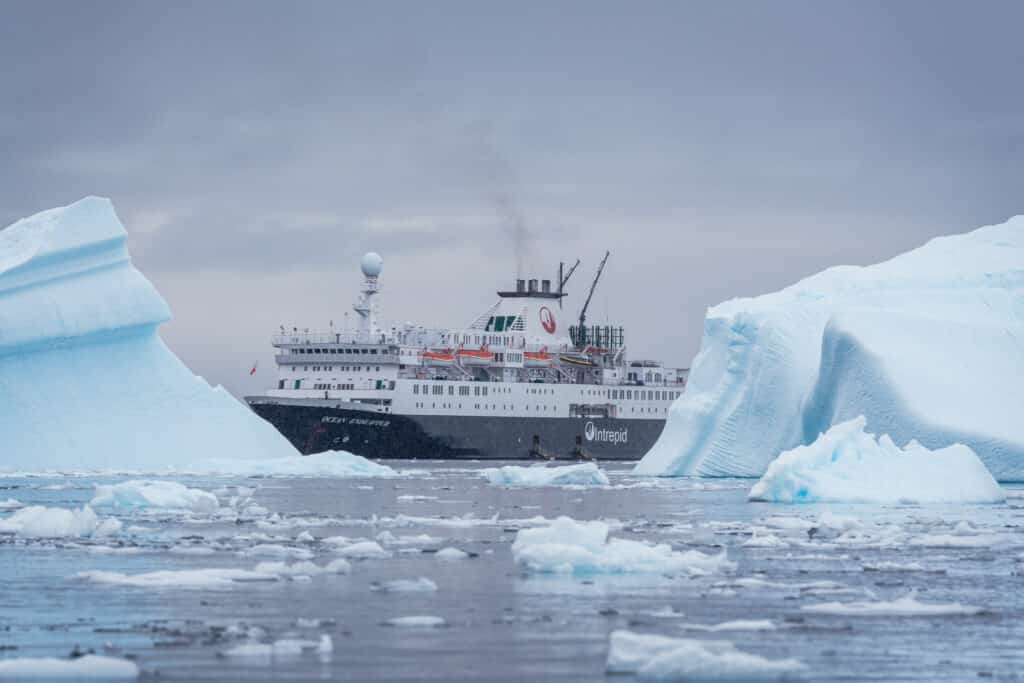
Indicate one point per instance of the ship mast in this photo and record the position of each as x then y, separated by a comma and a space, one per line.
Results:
371, 265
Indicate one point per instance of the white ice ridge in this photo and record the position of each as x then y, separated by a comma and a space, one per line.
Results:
665, 658
87, 382
928, 346
848, 465
584, 474
570, 547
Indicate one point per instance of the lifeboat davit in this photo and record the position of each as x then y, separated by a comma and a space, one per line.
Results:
438, 358
475, 356
536, 359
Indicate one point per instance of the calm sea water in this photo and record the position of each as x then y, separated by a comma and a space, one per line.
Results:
503, 623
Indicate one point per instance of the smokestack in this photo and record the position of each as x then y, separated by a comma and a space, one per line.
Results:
533, 285
520, 286
545, 286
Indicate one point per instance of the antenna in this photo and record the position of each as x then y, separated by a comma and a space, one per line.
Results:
583, 311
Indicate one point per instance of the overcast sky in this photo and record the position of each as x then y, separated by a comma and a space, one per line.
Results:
255, 150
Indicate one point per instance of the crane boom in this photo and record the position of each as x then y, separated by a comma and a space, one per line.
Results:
590, 295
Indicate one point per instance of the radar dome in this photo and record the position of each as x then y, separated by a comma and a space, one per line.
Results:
371, 264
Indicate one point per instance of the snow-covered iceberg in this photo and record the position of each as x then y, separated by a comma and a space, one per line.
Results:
928, 346
848, 465
583, 474
86, 383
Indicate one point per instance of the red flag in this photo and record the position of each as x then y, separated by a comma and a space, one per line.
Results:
254, 366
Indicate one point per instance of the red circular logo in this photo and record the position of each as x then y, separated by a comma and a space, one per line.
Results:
547, 320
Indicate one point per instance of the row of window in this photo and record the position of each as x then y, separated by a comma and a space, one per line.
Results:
372, 352
645, 394
379, 384
540, 408
341, 368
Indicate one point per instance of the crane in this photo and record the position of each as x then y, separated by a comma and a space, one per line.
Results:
563, 279
583, 311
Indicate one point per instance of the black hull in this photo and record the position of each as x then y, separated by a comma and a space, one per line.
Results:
314, 429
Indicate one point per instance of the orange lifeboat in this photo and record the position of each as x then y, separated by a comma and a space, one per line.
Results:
444, 357
536, 359
475, 356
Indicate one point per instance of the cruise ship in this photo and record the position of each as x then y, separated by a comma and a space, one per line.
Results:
517, 383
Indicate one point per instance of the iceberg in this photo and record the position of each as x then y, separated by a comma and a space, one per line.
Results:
584, 474
570, 547
928, 346
86, 382
848, 465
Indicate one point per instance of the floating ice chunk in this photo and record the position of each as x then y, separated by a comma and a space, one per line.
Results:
417, 621
776, 370
415, 499
37, 521
846, 464
760, 539
451, 554
140, 494
666, 612
584, 474
736, 625
420, 585
961, 541
191, 550
285, 648
907, 606
276, 550
10, 504
183, 578
305, 537
664, 658
567, 546
364, 550
340, 464
894, 567
80, 668
304, 568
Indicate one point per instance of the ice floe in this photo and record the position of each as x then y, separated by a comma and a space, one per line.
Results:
284, 648
847, 464
416, 621
567, 546
37, 521
735, 625
277, 550
584, 474
182, 578
10, 504
364, 550
141, 494
79, 668
420, 585
450, 553
907, 606
340, 464
664, 658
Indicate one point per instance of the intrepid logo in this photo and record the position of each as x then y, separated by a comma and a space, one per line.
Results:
547, 320
613, 436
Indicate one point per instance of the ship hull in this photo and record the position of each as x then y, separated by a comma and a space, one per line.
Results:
314, 428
